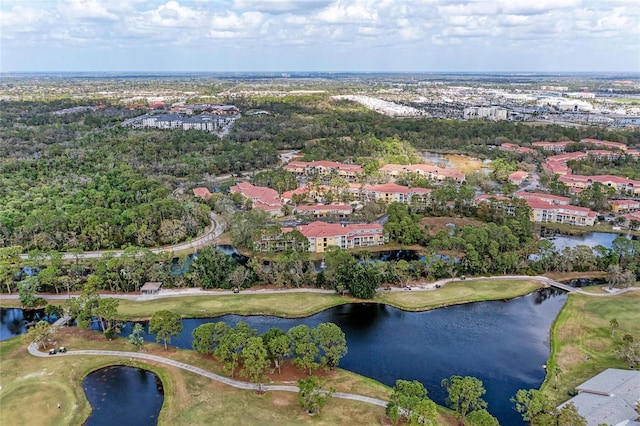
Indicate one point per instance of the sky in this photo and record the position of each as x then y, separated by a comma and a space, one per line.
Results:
320, 35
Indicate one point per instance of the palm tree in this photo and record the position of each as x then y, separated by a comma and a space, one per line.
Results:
556, 372
613, 325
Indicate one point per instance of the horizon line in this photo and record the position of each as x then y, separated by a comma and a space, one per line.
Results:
315, 72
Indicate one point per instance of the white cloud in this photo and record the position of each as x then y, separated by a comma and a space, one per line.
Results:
357, 12
86, 9
357, 27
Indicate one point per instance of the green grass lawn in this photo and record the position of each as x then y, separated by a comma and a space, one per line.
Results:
190, 399
284, 305
290, 305
458, 292
582, 342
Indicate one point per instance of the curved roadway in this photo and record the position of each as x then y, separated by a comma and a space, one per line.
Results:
214, 230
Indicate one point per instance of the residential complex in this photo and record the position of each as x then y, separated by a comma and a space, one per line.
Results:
322, 235
430, 172
324, 168
542, 211
212, 118
557, 165
262, 198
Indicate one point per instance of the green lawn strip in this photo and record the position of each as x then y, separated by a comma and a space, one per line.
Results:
458, 292
287, 305
582, 345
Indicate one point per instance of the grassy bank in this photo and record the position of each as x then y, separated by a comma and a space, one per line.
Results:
582, 342
288, 305
458, 292
292, 305
189, 398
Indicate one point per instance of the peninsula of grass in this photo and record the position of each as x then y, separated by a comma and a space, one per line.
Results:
582, 342
459, 292
31, 388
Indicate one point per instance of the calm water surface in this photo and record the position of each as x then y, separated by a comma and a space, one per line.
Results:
123, 396
504, 344
590, 239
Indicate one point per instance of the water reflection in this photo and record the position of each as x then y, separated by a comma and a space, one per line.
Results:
503, 343
123, 395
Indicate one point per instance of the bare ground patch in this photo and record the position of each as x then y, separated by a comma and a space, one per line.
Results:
569, 356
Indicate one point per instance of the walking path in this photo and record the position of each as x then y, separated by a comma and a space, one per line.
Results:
421, 287
33, 350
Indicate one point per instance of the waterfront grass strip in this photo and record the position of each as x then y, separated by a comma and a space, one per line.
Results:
459, 292
582, 342
288, 305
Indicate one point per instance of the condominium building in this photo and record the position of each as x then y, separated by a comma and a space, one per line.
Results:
542, 211
322, 235
262, 198
430, 172
324, 168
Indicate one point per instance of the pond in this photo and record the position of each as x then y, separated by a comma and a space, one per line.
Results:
13, 321
123, 395
503, 343
590, 239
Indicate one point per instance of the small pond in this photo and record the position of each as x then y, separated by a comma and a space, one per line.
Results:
122, 395
590, 239
13, 321
503, 343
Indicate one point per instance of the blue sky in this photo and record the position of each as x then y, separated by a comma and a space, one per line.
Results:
320, 35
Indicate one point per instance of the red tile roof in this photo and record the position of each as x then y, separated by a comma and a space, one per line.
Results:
262, 197
202, 193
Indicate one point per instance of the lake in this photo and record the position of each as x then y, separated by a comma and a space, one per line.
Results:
123, 395
590, 239
503, 343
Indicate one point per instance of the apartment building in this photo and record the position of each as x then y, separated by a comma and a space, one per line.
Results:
624, 206
324, 168
262, 198
391, 192
547, 198
430, 172
542, 211
518, 177
322, 235
341, 211
623, 185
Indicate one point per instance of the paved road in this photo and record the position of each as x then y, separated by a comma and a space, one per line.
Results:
210, 235
33, 350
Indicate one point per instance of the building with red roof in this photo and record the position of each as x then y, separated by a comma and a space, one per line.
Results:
511, 147
621, 184
323, 210
624, 206
202, 193
541, 211
547, 198
552, 146
391, 192
261, 197
606, 144
323, 235
518, 177
430, 172
323, 168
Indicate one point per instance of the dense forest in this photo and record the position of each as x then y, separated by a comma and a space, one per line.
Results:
80, 181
